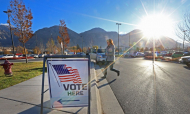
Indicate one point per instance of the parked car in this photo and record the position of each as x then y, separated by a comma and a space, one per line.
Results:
36, 56
81, 53
93, 53
183, 59
7, 56
128, 54
139, 54
41, 56
1, 56
71, 53
101, 56
186, 54
177, 54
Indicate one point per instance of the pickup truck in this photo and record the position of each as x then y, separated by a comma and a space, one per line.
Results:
98, 55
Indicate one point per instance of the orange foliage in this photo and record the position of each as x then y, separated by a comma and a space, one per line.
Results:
64, 34
21, 18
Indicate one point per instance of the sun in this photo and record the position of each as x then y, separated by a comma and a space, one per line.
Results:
156, 26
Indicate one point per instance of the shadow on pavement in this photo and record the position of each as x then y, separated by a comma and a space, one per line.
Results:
29, 70
36, 108
106, 83
188, 68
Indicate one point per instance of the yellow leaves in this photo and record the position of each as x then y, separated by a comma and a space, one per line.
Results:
36, 50
20, 49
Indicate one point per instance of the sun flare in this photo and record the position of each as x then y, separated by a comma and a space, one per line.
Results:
156, 26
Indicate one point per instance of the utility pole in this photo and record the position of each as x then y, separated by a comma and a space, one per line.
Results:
184, 38
153, 49
118, 36
176, 45
8, 12
129, 39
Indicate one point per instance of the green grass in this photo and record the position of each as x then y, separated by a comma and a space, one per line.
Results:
21, 72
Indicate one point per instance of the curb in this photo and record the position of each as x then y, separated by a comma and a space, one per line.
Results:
109, 103
98, 99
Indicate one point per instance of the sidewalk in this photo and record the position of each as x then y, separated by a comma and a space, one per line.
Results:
25, 98
109, 102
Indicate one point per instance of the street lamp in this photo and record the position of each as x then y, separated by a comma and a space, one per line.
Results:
82, 43
9, 12
118, 36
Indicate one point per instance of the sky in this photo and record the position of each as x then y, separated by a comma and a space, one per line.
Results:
83, 15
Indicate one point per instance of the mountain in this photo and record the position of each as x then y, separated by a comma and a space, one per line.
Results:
5, 36
95, 36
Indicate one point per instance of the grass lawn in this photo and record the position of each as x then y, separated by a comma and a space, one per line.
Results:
21, 72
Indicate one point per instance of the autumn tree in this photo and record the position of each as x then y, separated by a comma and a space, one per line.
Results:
22, 20
20, 49
95, 47
36, 50
84, 49
50, 45
64, 36
141, 49
6, 52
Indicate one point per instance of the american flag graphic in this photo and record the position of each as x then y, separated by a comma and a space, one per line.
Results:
67, 74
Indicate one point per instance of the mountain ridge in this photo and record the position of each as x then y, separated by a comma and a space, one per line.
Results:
95, 36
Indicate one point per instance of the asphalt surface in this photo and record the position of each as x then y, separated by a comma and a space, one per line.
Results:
144, 89
23, 60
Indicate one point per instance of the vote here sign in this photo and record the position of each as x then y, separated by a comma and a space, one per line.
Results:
68, 82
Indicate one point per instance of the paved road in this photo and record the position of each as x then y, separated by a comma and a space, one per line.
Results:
144, 89
23, 60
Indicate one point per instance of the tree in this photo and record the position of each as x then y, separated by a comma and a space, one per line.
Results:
142, 49
137, 49
95, 47
84, 49
183, 28
36, 50
41, 48
74, 48
50, 45
21, 18
20, 49
64, 38
6, 52
146, 49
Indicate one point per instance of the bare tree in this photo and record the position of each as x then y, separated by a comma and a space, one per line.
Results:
42, 48
21, 18
183, 28
50, 45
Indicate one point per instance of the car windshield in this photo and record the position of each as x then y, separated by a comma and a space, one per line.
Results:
96, 56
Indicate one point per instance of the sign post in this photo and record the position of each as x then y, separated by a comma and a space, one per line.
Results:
69, 77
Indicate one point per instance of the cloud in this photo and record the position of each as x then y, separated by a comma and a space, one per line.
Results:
5, 24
